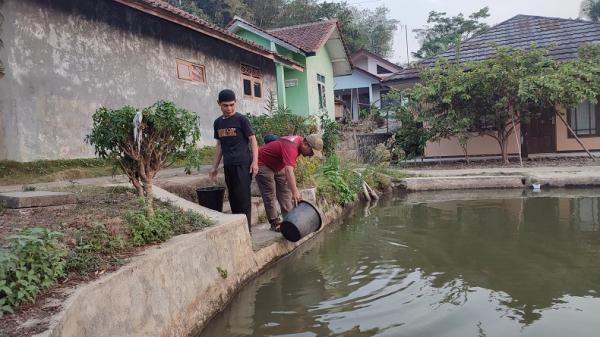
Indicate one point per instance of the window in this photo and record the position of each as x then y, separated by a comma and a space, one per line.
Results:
190, 71
382, 70
251, 81
584, 119
321, 88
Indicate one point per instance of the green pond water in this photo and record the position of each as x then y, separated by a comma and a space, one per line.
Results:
497, 263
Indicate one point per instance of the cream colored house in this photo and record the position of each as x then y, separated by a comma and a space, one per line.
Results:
548, 134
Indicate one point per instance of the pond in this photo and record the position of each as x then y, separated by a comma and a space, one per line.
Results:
496, 263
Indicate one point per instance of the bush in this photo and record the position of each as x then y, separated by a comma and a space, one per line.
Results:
33, 261
281, 123
163, 134
331, 134
84, 257
145, 228
306, 169
338, 184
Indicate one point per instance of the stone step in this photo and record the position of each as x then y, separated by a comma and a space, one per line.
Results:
36, 199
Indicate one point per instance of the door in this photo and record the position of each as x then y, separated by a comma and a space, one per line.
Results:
541, 134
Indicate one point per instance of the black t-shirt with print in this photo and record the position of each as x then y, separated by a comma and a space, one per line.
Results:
233, 133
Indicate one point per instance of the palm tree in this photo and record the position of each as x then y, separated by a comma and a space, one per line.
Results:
590, 9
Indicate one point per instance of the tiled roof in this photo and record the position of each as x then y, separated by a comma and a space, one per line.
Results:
520, 32
167, 11
309, 37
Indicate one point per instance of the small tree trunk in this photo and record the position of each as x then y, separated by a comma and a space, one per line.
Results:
138, 186
149, 197
466, 152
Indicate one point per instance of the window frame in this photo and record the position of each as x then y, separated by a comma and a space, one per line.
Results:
321, 86
254, 75
596, 126
190, 66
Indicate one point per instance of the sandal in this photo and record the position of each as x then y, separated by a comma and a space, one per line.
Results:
276, 228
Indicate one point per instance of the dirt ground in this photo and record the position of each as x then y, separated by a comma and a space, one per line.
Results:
495, 163
95, 206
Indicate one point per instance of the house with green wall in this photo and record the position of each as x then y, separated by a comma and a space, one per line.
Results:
318, 46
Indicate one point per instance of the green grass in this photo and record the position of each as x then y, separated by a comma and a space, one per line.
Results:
40, 171
12, 172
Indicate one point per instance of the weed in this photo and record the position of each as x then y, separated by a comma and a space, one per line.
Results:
222, 272
33, 261
147, 228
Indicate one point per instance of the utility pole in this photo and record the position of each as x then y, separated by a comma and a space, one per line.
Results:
406, 37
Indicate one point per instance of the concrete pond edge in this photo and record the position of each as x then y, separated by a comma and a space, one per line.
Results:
160, 293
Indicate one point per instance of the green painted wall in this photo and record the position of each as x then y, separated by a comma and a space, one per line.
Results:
297, 97
302, 99
255, 38
320, 64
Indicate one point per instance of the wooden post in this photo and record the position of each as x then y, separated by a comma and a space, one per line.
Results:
512, 118
574, 135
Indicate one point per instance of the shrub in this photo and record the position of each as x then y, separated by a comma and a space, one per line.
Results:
84, 257
330, 129
338, 184
281, 123
306, 169
33, 261
150, 228
164, 133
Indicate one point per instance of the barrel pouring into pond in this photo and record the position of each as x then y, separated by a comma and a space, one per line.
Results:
301, 221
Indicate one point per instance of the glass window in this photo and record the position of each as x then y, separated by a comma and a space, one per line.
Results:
582, 119
257, 89
321, 91
247, 87
190, 71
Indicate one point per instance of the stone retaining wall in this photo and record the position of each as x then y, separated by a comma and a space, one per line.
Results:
175, 287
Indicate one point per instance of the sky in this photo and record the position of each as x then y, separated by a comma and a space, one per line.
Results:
414, 13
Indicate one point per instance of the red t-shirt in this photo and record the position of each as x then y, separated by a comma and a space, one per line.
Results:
280, 153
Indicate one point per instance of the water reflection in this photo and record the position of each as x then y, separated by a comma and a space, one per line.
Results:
481, 266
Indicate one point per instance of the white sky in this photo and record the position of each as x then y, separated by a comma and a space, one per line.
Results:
413, 13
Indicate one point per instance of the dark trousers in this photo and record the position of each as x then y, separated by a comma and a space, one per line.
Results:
238, 179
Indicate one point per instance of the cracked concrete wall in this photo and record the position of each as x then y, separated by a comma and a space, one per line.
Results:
66, 58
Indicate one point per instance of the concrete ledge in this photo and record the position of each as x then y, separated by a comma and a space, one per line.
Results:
455, 183
174, 288
36, 199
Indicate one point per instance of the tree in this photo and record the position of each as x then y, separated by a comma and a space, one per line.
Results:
142, 147
191, 7
380, 30
486, 96
443, 31
566, 84
369, 29
590, 10
447, 96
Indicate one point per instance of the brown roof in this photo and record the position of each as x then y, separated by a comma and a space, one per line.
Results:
171, 13
308, 37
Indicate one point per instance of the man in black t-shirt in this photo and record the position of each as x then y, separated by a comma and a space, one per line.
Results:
235, 137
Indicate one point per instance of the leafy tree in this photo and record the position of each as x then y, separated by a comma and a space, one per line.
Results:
590, 9
369, 29
380, 30
566, 84
448, 100
190, 6
442, 31
164, 133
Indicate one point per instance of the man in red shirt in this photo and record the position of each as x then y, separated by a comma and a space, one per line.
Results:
276, 179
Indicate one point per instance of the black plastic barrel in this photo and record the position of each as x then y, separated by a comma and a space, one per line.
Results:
301, 221
211, 197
